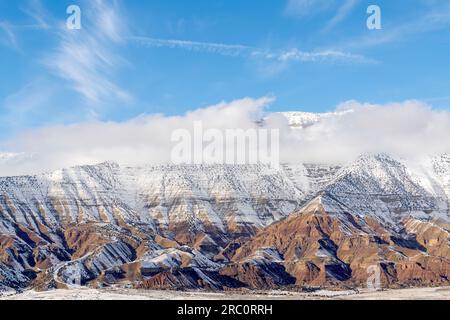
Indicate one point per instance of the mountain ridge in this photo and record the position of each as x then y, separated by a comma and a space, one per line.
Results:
187, 227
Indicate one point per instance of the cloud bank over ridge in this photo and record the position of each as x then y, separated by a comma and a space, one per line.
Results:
409, 129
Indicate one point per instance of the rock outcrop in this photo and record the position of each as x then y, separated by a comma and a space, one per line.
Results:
221, 227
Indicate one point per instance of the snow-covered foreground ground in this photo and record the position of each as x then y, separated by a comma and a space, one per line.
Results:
127, 294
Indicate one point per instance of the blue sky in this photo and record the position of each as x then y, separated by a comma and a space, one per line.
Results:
140, 57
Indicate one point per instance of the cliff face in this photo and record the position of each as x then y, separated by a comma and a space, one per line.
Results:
320, 248
227, 226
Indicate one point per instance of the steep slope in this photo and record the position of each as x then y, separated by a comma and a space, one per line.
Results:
384, 188
223, 226
84, 221
316, 248
222, 197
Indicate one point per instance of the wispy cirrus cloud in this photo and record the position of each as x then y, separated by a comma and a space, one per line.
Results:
7, 34
10, 32
342, 12
324, 55
22, 107
239, 50
219, 48
303, 8
436, 18
87, 58
41, 18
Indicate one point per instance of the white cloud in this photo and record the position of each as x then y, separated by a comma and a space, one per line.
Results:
303, 8
39, 14
146, 139
7, 35
87, 58
324, 55
109, 18
436, 18
342, 12
10, 32
409, 130
30, 100
238, 50
219, 48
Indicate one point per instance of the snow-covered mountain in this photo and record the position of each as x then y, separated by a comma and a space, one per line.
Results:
389, 191
303, 120
247, 196
158, 196
220, 226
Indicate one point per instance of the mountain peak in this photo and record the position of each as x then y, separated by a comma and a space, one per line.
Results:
303, 120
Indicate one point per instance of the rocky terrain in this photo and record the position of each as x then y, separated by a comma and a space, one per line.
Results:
436, 293
225, 227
